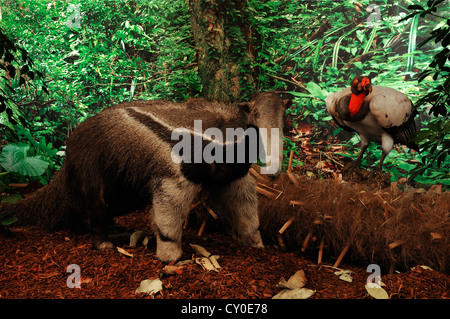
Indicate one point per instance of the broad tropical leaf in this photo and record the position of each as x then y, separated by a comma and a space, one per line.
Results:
14, 158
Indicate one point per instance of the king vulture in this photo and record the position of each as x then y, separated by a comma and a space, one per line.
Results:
376, 113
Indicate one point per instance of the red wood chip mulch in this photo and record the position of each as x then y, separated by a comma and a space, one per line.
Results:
34, 264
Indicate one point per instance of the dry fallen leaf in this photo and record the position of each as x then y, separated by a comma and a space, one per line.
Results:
208, 262
213, 260
205, 263
150, 286
137, 237
296, 281
310, 174
299, 293
377, 292
124, 252
346, 278
294, 287
202, 251
184, 262
344, 275
170, 270
423, 267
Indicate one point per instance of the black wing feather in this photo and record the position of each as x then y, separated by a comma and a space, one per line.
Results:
405, 133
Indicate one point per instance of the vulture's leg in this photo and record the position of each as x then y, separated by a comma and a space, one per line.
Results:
387, 143
356, 165
383, 156
360, 155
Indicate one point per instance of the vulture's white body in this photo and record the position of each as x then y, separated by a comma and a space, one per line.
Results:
389, 118
388, 106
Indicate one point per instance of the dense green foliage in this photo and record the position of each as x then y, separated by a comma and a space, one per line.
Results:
435, 137
95, 53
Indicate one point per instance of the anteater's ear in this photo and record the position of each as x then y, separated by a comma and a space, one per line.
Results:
244, 106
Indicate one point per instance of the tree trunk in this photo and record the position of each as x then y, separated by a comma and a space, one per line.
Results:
223, 39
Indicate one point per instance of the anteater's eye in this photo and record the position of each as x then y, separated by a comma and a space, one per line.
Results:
255, 114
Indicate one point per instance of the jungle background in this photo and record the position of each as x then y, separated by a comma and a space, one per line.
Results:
64, 61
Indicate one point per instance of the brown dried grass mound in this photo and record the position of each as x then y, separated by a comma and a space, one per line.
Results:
386, 227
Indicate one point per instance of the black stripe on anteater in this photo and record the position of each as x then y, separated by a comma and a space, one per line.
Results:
223, 173
160, 130
199, 173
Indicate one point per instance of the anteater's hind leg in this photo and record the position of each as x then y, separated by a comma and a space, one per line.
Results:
171, 203
99, 220
239, 206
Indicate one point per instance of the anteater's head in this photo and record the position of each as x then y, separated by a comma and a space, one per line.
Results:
266, 112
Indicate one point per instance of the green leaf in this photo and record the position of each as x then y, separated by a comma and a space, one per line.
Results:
412, 42
14, 158
8, 220
315, 90
369, 42
405, 166
11, 198
335, 55
317, 53
336, 131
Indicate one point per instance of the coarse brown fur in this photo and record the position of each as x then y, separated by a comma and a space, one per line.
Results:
366, 219
120, 160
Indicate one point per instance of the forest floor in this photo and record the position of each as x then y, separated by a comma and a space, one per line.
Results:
34, 265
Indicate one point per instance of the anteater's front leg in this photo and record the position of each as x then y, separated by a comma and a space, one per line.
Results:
171, 203
239, 206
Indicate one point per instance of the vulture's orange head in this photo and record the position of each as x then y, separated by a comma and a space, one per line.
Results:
361, 84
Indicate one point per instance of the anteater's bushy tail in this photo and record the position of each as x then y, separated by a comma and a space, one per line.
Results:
50, 208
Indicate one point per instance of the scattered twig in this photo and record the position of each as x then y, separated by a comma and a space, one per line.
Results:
41, 104
319, 258
210, 211
202, 227
18, 185
259, 178
306, 241
187, 215
281, 242
333, 160
341, 256
291, 156
295, 203
436, 236
265, 192
286, 225
396, 244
